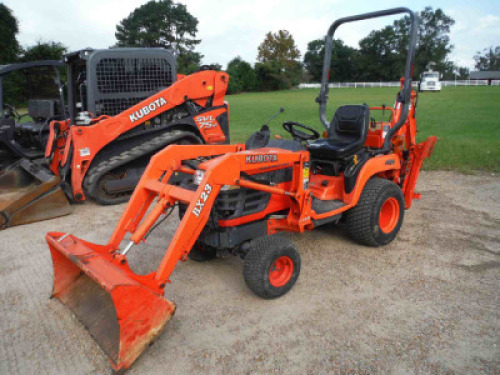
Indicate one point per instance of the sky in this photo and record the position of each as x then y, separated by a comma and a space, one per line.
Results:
230, 28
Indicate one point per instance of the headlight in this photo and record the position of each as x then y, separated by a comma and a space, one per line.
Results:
198, 176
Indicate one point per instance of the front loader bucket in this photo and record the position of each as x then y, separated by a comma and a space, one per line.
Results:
29, 193
120, 310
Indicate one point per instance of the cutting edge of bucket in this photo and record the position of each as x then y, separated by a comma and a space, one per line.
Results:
28, 196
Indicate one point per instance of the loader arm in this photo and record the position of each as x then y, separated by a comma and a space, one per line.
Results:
226, 169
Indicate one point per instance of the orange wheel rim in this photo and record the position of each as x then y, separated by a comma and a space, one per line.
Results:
389, 215
281, 271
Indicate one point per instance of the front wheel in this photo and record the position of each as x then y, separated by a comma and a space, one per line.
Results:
272, 266
202, 253
378, 216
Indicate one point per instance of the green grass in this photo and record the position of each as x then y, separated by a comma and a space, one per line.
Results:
465, 119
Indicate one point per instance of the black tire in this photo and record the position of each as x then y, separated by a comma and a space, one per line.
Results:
265, 253
364, 222
201, 253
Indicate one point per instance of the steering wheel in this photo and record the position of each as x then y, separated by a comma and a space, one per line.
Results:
11, 112
290, 126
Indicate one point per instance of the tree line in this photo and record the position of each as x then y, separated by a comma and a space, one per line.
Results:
379, 57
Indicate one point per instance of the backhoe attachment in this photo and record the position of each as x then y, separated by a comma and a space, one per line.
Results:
28, 193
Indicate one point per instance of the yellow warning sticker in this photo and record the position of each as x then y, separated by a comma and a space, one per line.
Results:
210, 88
306, 172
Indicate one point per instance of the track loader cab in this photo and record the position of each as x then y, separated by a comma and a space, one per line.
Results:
109, 81
36, 86
87, 83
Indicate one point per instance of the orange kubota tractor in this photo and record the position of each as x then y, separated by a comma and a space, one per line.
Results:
238, 198
123, 106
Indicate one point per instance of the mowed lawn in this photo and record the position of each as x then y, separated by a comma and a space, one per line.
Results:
465, 119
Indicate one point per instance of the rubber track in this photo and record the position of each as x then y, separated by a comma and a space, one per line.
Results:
97, 171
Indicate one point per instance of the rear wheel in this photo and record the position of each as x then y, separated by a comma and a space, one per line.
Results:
378, 216
272, 266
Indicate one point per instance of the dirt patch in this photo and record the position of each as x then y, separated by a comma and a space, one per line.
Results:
426, 303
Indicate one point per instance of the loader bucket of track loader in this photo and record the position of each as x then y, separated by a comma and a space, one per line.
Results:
28, 193
124, 312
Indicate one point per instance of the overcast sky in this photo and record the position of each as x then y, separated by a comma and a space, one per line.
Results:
228, 28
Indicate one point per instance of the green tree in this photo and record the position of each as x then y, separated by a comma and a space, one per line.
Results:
462, 72
278, 67
342, 64
452, 71
9, 46
379, 59
44, 51
434, 40
383, 52
241, 76
165, 24
279, 47
189, 62
270, 77
488, 59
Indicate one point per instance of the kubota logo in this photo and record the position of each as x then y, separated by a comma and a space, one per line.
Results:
254, 159
147, 109
205, 122
200, 203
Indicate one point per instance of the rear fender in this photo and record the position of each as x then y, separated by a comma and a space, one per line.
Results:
371, 168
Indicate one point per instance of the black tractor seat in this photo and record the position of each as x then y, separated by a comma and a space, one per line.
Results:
346, 135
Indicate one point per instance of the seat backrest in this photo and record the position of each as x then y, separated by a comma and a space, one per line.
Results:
350, 123
41, 109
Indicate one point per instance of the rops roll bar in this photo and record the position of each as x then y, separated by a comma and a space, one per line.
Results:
410, 63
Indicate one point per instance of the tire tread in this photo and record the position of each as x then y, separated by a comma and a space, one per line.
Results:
360, 218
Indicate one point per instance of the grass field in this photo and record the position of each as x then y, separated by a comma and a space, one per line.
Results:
465, 119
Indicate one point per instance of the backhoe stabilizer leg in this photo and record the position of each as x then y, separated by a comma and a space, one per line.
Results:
422, 151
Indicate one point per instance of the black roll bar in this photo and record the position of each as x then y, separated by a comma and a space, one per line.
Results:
322, 99
6, 69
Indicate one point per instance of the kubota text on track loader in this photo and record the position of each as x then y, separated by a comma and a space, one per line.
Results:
123, 105
238, 198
